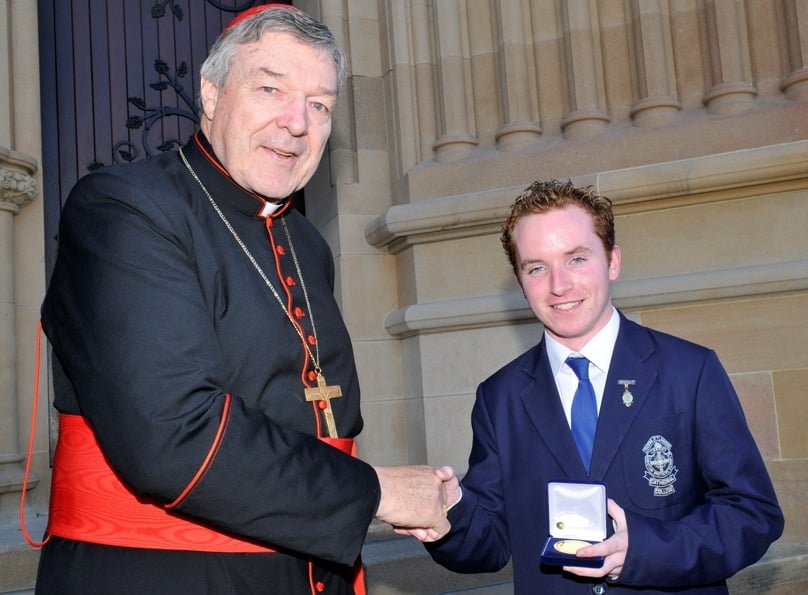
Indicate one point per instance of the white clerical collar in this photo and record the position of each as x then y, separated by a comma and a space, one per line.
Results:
269, 208
598, 350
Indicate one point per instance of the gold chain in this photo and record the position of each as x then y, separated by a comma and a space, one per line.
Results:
315, 359
305, 297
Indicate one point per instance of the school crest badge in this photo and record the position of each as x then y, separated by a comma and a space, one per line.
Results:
660, 472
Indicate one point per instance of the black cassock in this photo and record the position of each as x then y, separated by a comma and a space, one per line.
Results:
155, 314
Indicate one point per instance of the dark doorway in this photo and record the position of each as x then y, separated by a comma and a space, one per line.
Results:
119, 81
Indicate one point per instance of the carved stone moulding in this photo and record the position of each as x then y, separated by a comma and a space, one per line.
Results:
795, 85
730, 98
17, 185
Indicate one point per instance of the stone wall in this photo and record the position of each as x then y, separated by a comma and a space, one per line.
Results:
691, 115
22, 264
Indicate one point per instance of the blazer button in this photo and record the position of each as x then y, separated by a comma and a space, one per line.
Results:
599, 589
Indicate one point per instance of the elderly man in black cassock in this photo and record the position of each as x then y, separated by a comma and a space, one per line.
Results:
204, 377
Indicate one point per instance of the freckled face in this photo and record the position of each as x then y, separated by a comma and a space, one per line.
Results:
565, 273
269, 122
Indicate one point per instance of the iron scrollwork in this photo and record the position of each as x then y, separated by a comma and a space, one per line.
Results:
159, 9
152, 115
129, 150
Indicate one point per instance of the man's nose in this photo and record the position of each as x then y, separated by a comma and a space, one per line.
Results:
560, 281
293, 116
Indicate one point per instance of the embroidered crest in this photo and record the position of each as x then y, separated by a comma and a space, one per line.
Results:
659, 468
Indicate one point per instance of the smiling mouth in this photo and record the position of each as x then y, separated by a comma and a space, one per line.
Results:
280, 153
566, 307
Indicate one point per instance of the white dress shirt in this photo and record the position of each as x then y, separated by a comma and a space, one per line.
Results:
598, 351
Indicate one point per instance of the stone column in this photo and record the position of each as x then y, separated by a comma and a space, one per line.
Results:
519, 127
17, 188
424, 78
456, 140
795, 84
410, 93
656, 103
728, 52
586, 93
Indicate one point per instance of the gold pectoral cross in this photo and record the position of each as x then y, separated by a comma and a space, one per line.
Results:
324, 393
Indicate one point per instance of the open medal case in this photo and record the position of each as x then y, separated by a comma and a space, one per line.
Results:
577, 513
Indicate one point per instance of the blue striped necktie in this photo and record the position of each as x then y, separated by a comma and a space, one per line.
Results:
584, 409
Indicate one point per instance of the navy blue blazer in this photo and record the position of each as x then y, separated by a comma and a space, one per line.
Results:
694, 521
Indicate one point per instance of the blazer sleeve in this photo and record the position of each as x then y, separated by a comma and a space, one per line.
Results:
737, 516
478, 541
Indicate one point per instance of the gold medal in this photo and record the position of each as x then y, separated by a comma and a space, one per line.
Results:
569, 546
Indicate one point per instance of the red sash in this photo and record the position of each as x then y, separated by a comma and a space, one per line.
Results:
90, 503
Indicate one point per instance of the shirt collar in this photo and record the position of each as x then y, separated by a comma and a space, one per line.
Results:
598, 350
218, 181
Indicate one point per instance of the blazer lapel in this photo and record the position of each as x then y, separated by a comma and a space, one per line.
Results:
631, 360
542, 404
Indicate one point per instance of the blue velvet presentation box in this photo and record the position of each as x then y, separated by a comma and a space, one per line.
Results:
577, 518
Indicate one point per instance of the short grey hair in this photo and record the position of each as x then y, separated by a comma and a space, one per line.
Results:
279, 19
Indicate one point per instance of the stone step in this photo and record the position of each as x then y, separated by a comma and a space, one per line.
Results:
18, 560
396, 566
782, 571
400, 566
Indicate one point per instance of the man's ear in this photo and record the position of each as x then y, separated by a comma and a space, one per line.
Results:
208, 94
615, 263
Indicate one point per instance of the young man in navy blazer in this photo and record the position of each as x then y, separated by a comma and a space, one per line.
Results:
689, 498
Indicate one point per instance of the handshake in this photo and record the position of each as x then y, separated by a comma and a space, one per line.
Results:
415, 500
